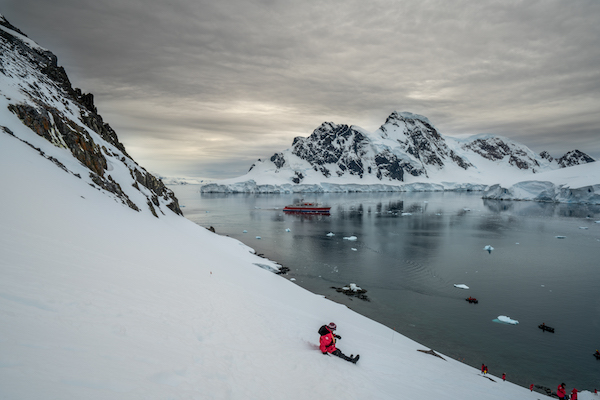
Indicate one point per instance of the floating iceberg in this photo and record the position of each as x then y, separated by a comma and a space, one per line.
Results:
331, 234
258, 237
353, 249
488, 248
506, 320
460, 286
287, 230
244, 231
351, 238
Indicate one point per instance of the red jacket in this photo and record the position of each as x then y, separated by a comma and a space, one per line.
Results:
327, 342
561, 392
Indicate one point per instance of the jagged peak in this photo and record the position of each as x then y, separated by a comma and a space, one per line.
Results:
405, 115
17, 33
4, 22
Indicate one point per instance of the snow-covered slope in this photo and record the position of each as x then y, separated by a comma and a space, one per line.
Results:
39, 106
98, 301
406, 153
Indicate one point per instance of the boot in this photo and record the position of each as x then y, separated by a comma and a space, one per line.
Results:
355, 359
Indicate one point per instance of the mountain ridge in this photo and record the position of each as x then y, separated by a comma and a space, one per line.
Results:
37, 100
404, 153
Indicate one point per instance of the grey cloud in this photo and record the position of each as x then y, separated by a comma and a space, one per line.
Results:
214, 77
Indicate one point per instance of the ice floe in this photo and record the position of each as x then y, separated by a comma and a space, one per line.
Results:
460, 286
331, 234
351, 238
507, 320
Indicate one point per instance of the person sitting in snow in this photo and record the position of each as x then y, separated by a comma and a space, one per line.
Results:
561, 391
327, 343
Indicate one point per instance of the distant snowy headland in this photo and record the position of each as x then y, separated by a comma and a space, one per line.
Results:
408, 154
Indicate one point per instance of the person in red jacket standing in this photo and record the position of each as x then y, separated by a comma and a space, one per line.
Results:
560, 391
327, 343
574, 394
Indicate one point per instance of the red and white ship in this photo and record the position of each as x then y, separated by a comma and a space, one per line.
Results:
310, 208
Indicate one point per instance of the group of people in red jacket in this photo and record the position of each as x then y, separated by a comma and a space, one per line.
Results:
327, 343
561, 392
327, 346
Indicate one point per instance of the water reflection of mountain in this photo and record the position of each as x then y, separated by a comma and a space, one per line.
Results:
541, 209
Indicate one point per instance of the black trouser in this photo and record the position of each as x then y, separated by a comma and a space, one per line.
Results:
338, 353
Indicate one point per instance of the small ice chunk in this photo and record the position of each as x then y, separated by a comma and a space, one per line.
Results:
354, 288
488, 248
406, 214
466, 209
353, 249
244, 231
293, 279
351, 238
331, 234
287, 230
560, 237
460, 286
507, 320
258, 237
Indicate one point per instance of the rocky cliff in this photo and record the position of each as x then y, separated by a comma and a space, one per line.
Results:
41, 101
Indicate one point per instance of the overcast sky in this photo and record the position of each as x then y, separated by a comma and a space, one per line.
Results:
203, 88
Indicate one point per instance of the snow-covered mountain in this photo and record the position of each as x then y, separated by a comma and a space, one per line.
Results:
39, 106
405, 153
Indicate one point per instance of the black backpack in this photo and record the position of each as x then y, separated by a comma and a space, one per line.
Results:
323, 330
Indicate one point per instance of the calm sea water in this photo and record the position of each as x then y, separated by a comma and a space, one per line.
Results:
410, 263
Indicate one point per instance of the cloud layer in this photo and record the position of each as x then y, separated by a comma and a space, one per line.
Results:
203, 88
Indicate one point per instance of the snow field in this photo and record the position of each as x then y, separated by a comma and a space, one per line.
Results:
98, 301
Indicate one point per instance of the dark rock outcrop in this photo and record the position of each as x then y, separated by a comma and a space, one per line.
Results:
68, 118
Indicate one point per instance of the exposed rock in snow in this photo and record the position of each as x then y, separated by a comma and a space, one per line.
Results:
36, 96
